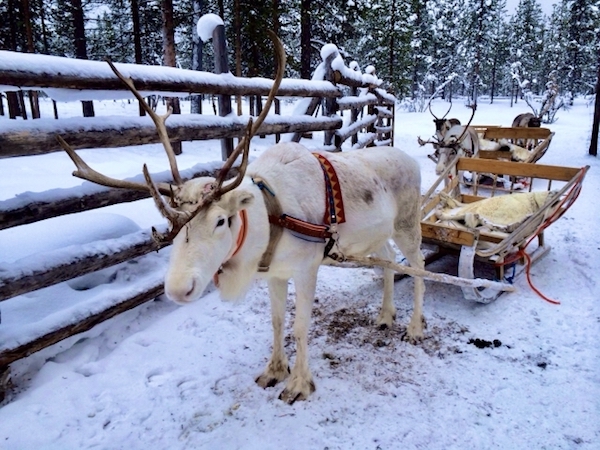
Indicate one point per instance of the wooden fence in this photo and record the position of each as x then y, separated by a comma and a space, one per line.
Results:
350, 108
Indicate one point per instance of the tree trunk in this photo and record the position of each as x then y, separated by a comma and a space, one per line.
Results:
596, 125
80, 47
44, 29
392, 43
237, 31
12, 99
33, 95
477, 62
305, 36
493, 83
169, 56
137, 41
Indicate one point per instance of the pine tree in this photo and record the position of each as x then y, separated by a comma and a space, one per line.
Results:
480, 43
527, 38
582, 48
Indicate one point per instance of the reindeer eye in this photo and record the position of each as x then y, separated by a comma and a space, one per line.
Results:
220, 222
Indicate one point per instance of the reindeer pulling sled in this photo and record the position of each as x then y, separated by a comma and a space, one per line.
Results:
490, 227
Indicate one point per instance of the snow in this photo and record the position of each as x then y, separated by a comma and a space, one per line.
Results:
167, 377
206, 26
19, 65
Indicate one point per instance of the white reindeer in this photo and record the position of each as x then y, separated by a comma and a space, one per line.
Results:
459, 139
226, 231
455, 140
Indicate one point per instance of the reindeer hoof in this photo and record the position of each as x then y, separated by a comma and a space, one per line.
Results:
265, 382
270, 379
385, 320
290, 396
414, 331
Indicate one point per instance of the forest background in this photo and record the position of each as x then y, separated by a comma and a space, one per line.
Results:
467, 47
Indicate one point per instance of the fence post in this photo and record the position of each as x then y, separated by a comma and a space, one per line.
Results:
330, 104
222, 66
354, 111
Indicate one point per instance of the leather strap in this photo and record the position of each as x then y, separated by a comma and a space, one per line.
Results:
273, 210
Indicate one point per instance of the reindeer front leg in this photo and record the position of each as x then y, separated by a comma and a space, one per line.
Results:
277, 368
300, 384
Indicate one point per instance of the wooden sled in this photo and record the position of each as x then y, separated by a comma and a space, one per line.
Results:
537, 140
494, 248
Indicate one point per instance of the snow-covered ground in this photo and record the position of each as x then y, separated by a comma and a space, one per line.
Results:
168, 377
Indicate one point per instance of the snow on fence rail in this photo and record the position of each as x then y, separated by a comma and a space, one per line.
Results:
335, 87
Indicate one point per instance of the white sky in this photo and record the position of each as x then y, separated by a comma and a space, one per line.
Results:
511, 5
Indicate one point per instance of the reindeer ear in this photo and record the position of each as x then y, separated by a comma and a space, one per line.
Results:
241, 199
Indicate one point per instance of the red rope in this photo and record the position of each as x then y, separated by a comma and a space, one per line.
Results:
567, 200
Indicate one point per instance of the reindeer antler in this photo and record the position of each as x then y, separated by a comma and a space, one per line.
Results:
159, 122
214, 191
474, 108
253, 127
436, 117
178, 219
85, 172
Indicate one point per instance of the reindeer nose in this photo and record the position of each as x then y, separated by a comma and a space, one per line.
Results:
181, 293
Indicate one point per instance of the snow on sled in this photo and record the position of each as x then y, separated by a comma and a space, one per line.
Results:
491, 226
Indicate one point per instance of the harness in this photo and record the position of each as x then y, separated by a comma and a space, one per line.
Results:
326, 232
241, 238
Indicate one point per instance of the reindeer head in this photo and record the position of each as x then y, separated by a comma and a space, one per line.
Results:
454, 142
205, 214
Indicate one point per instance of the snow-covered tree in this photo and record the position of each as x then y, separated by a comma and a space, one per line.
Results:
527, 43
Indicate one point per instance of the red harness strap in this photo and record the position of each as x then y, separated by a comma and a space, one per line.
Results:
334, 204
241, 238
334, 207
301, 227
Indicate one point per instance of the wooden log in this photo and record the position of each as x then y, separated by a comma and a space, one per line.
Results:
39, 137
432, 276
67, 201
224, 100
60, 72
11, 355
48, 269
357, 81
360, 101
311, 108
330, 107
384, 112
354, 128
364, 140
